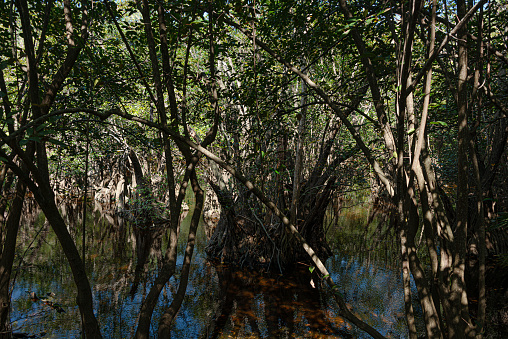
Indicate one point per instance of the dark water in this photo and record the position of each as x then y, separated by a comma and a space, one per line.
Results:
220, 302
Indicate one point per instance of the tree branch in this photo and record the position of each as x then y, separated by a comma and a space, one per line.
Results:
437, 51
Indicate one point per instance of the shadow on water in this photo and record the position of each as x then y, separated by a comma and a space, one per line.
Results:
253, 304
221, 302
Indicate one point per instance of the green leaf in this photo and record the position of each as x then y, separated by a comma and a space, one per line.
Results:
411, 131
441, 123
311, 269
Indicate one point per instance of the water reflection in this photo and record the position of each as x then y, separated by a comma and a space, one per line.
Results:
252, 304
374, 292
221, 302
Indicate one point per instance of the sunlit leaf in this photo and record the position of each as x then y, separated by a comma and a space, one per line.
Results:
440, 123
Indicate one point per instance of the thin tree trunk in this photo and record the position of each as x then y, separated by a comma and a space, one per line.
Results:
417, 171
407, 210
406, 279
373, 82
169, 315
480, 227
8, 253
46, 201
176, 199
168, 268
297, 177
460, 324
482, 302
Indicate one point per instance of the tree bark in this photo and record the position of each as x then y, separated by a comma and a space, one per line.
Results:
297, 177
480, 215
460, 324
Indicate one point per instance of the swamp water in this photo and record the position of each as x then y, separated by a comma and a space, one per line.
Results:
220, 302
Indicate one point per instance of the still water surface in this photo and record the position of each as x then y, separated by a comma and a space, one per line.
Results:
220, 302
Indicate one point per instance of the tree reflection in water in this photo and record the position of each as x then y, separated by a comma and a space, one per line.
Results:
253, 304
220, 302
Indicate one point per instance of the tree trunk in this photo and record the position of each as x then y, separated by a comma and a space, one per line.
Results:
170, 314
8, 253
297, 177
46, 201
460, 323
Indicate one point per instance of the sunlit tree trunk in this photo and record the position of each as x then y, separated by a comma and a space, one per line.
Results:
417, 172
460, 325
403, 201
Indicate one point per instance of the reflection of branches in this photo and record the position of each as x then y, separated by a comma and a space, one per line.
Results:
284, 302
21, 259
